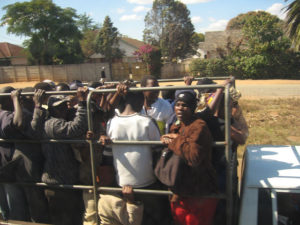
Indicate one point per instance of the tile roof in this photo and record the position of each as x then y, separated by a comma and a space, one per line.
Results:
8, 50
133, 42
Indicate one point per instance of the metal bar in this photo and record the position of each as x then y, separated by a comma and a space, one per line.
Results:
156, 192
195, 78
183, 87
229, 199
108, 189
92, 155
79, 141
174, 79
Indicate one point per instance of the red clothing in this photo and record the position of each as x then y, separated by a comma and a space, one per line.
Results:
194, 144
193, 211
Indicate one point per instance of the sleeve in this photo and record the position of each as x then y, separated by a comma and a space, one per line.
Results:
33, 125
8, 129
71, 129
194, 145
168, 111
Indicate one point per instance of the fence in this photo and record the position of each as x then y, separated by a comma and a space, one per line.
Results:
58, 73
86, 72
95, 188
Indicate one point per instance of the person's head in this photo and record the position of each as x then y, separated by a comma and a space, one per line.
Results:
75, 84
150, 81
43, 86
62, 87
135, 100
50, 82
57, 106
168, 94
185, 105
94, 84
5, 101
205, 81
26, 100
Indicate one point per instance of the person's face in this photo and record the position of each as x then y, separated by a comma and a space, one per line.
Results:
62, 110
151, 96
183, 112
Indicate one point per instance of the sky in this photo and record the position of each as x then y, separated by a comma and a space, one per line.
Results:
128, 15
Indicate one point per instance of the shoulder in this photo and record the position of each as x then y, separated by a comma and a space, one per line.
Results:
162, 102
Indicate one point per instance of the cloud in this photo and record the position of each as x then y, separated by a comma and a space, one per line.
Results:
120, 10
130, 17
194, 1
196, 19
218, 25
277, 10
211, 19
140, 2
140, 9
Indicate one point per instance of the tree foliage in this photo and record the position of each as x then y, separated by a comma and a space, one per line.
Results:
107, 41
152, 57
267, 53
52, 31
293, 22
168, 26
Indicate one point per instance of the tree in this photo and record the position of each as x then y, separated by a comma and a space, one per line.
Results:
85, 23
89, 32
168, 26
52, 31
293, 21
152, 57
107, 41
266, 54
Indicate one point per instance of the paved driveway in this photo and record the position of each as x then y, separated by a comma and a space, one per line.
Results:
272, 91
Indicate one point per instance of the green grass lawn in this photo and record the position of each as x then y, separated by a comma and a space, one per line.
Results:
271, 122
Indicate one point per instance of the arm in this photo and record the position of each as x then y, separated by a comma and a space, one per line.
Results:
134, 209
194, 145
18, 112
122, 90
61, 128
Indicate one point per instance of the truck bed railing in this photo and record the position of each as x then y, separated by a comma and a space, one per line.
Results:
227, 143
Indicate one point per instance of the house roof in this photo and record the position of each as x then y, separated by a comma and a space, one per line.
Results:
272, 167
133, 42
8, 50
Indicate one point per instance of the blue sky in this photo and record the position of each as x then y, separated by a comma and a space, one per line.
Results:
128, 15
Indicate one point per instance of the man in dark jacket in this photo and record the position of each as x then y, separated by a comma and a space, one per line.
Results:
61, 166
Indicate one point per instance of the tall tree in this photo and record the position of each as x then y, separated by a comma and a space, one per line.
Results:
52, 31
293, 21
168, 26
107, 42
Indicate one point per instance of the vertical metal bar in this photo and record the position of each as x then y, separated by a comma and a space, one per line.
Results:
92, 155
228, 153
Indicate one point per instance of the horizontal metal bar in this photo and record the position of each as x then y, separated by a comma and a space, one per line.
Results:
162, 88
155, 192
176, 79
183, 87
195, 78
114, 142
107, 189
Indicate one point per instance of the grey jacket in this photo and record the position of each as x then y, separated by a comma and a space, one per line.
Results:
60, 166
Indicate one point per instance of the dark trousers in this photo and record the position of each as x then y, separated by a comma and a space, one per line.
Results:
65, 206
156, 207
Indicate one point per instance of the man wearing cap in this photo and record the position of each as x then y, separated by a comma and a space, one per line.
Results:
61, 166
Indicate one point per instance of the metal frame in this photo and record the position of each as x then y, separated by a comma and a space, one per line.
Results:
95, 188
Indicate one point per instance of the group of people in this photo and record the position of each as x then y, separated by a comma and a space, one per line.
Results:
186, 122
